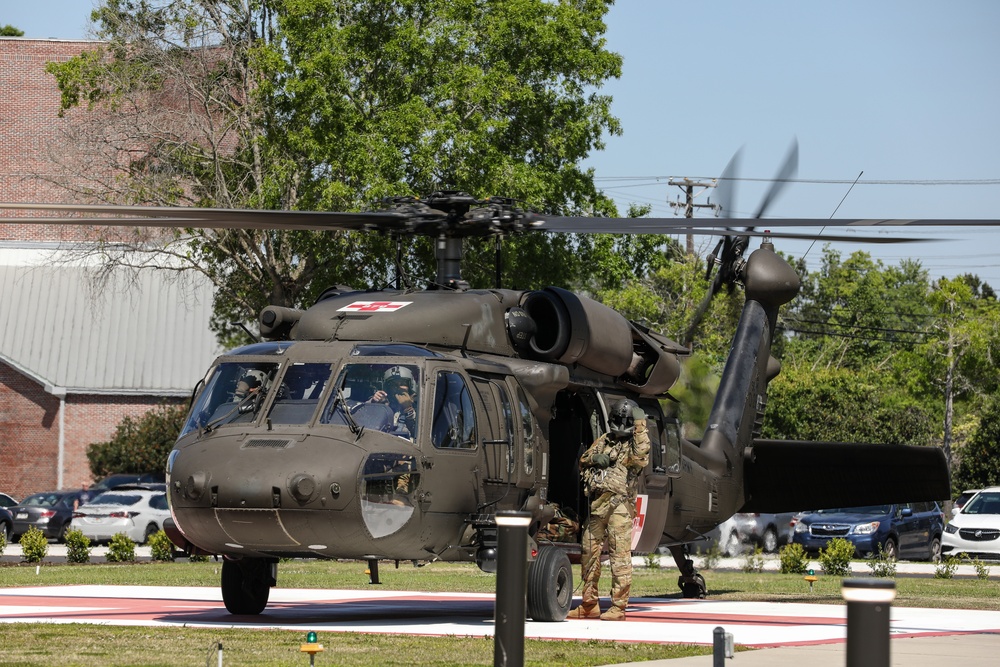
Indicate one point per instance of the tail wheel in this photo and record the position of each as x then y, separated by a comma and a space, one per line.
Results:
246, 585
550, 585
693, 586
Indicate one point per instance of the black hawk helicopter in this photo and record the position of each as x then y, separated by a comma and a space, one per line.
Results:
290, 449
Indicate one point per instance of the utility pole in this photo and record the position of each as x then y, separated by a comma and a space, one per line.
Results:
688, 186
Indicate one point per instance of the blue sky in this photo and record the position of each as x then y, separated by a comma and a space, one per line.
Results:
901, 90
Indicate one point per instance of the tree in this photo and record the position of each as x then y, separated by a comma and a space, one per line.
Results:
843, 405
333, 105
138, 445
963, 348
979, 459
10, 31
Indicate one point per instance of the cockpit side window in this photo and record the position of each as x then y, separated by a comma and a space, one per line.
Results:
231, 395
299, 392
454, 413
378, 396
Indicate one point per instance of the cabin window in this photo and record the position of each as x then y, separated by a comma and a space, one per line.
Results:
454, 425
388, 484
298, 393
528, 430
381, 397
232, 395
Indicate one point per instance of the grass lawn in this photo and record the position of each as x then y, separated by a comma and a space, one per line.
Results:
90, 645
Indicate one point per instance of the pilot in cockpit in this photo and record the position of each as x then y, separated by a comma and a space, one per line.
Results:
399, 391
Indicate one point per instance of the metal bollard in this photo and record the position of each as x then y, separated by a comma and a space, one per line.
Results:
868, 605
512, 581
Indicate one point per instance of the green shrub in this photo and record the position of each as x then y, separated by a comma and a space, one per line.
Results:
880, 565
835, 558
121, 549
77, 547
197, 558
945, 568
982, 569
793, 559
753, 561
34, 545
710, 557
3, 542
160, 546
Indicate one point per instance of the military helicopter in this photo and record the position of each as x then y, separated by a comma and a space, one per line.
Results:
290, 449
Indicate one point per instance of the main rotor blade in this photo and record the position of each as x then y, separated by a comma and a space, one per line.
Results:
787, 171
212, 218
393, 221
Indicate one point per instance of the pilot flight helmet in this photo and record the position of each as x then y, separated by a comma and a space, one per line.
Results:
621, 420
253, 378
396, 376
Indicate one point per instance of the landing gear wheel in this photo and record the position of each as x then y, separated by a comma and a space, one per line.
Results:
770, 541
550, 585
246, 585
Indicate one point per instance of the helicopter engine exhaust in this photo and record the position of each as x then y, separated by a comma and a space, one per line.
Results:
276, 322
572, 329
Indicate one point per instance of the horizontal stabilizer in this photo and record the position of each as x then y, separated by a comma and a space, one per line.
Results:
789, 476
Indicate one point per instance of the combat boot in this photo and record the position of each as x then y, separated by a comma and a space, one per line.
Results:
585, 611
615, 613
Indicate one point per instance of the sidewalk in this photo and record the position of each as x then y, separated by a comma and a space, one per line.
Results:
966, 650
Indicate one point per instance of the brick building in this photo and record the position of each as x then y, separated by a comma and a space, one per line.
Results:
74, 361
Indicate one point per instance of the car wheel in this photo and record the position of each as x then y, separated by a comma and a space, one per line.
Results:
890, 550
936, 550
151, 530
7, 535
61, 536
770, 541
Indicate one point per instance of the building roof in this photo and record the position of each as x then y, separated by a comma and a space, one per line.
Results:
148, 337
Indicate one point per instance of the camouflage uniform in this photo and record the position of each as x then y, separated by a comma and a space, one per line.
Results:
612, 493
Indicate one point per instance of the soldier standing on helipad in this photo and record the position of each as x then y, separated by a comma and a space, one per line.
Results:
609, 469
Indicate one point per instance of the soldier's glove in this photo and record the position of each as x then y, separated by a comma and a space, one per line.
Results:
600, 460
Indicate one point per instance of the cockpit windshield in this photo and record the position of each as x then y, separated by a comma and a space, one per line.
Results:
378, 396
232, 394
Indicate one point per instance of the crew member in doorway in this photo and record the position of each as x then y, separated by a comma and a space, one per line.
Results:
610, 468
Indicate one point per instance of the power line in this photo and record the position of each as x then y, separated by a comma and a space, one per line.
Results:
656, 180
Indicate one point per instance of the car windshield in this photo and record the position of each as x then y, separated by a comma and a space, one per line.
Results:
985, 502
867, 509
116, 498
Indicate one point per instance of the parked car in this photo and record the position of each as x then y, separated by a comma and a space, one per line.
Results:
963, 497
50, 512
137, 511
6, 523
6, 500
120, 479
768, 531
906, 530
976, 529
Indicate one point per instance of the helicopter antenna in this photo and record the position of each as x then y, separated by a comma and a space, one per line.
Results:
253, 338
